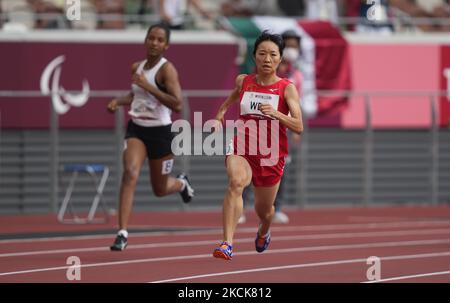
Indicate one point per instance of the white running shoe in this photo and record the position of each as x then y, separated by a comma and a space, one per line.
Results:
242, 219
188, 192
280, 217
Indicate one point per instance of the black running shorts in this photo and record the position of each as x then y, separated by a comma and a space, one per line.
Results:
157, 139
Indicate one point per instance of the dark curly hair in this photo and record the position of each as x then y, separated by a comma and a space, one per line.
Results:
163, 26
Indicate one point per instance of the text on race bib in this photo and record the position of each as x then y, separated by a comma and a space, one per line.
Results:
251, 102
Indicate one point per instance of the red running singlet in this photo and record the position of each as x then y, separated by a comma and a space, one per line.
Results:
256, 131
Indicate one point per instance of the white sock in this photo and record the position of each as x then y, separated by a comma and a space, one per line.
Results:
184, 184
123, 232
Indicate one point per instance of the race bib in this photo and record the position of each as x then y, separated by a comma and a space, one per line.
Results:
251, 102
166, 167
143, 108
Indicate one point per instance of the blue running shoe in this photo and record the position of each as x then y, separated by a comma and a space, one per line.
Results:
261, 243
225, 251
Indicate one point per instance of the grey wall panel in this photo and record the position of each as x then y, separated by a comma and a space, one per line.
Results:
334, 174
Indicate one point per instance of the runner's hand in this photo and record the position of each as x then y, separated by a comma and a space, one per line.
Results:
113, 105
268, 110
140, 80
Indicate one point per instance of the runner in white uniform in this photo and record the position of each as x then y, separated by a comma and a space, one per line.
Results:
155, 93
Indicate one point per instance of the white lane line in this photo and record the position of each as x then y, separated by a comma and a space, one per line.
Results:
218, 230
439, 273
304, 265
415, 232
251, 252
245, 271
361, 219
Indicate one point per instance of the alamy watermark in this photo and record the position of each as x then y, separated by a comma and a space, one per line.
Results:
260, 141
73, 10
73, 272
375, 11
374, 271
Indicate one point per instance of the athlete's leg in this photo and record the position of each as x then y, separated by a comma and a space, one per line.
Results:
163, 183
239, 176
245, 197
264, 200
279, 196
133, 157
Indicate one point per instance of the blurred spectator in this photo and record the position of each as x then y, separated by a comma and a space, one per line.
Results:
290, 64
139, 11
212, 22
293, 67
88, 20
236, 8
175, 12
439, 9
49, 13
436, 7
290, 68
243, 8
17, 15
322, 10
425, 9
292, 8
110, 14
352, 10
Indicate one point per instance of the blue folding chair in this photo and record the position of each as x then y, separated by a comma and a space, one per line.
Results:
99, 174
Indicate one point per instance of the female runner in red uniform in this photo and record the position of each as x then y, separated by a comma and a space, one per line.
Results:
269, 104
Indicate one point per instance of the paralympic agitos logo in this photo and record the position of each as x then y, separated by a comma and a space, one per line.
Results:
57, 92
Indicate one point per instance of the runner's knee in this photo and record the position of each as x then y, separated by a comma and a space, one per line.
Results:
264, 212
237, 184
130, 174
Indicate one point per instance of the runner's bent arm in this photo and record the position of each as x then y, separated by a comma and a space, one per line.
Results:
172, 98
124, 100
294, 121
232, 98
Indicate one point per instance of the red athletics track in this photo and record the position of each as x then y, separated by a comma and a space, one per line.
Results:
318, 245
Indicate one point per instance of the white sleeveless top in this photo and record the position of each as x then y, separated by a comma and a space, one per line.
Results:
146, 110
